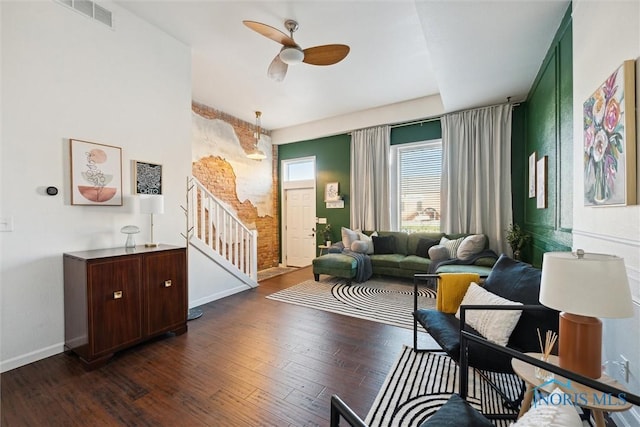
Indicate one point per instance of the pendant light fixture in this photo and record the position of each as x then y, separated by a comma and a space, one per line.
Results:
256, 153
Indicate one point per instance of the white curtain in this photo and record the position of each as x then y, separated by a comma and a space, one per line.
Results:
370, 178
476, 173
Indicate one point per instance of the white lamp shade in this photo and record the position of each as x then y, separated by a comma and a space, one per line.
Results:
593, 285
151, 204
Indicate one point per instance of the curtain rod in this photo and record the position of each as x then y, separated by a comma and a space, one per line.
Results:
433, 119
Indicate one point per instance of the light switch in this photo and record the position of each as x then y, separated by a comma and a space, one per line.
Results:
6, 223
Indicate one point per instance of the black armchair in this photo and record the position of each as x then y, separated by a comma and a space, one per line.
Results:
465, 417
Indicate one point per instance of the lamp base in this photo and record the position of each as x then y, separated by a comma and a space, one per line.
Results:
580, 344
151, 245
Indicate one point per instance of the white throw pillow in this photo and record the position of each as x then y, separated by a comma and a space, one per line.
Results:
470, 246
438, 253
348, 236
555, 412
451, 245
359, 246
495, 325
368, 240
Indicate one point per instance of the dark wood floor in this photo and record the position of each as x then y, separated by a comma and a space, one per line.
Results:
248, 361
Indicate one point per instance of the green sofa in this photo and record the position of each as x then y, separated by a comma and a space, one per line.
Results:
403, 263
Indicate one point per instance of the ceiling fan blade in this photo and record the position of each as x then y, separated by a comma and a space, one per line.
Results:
328, 54
277, 69
270, 32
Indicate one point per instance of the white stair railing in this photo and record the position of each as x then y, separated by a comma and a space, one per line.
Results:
215, 226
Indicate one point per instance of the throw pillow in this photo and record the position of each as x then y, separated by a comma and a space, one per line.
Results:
359, 246
555, 411
495, 325
457, 411
384, 245
369, 241
438, 253
471, 246
451, 245
348, 236
422, 250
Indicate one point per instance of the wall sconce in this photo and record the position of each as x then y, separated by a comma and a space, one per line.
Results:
256, 153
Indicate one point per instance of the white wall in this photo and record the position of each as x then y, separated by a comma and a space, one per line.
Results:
66, 76
605, 33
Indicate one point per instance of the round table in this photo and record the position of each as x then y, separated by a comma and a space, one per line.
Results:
587, 394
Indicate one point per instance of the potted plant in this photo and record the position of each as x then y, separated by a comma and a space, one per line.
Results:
517, 238
327, 234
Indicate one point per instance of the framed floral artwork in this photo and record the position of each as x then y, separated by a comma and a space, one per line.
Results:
96, 174
147, 178
610, 141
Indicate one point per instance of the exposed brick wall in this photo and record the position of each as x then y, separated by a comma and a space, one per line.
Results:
218, 176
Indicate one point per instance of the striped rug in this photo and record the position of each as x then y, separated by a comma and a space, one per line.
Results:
420, 383
383, 300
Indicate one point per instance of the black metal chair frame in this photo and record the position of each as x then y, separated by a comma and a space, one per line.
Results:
340, 410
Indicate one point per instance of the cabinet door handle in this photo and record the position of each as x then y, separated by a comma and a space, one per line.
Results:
167, 283
117, 295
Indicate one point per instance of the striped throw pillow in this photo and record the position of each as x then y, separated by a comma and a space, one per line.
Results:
452, 246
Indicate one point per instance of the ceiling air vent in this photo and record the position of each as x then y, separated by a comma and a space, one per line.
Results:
90, 9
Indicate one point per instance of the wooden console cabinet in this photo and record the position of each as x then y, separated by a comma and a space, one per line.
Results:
115, 298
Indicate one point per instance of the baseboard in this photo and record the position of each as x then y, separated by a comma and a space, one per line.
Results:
34, 356
630, 418
217, 296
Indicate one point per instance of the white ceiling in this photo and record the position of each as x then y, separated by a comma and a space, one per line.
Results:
472, 53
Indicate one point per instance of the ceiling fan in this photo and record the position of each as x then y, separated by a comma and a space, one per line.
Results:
291, 53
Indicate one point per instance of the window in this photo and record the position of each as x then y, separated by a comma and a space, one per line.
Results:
299, 170
416, 169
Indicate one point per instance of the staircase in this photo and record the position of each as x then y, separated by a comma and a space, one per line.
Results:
214, 230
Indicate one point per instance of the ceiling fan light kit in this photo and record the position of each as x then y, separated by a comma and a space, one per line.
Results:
291, 53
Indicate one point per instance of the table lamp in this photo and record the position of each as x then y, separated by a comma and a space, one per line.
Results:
151, 204
584, 286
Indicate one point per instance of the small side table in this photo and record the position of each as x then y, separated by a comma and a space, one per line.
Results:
322, 248
527, 373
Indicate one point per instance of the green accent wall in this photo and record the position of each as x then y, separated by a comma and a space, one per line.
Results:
333, 163
423, 131
544, 125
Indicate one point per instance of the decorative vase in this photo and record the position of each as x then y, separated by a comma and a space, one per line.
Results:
328, 242
517, 254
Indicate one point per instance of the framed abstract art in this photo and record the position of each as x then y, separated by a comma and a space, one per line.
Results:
96, 174
147, 178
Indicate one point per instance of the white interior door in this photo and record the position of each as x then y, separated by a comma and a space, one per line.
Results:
299, 227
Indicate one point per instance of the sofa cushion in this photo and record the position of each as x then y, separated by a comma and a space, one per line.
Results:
401, 239
422, 249
414, 238
359, 246
519, 281
457, 412
470, 246
348, 236
367, 238
438, 253
386, 260
384, 245
495, 325
415, 263
451, 245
